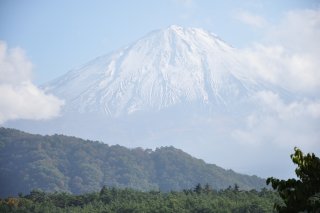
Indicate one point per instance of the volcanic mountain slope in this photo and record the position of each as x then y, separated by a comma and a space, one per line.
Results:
165, 68
176, 86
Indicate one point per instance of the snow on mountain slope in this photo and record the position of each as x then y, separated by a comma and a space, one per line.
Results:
166, 67
183, 87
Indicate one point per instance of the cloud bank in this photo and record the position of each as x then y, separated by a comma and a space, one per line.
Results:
288, 58
19, 98
289, 54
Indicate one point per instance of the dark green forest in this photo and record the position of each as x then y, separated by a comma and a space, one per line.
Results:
59, 163
198, 199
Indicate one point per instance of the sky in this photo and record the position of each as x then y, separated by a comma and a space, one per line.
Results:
42, 40
59, 35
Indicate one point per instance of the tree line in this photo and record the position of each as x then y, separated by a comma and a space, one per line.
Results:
111, 199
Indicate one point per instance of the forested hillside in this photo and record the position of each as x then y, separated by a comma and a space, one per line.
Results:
62, 163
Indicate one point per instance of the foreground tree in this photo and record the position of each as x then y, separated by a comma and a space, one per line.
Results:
302, 194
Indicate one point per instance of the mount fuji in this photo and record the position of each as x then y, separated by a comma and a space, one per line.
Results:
165, 68
176, 86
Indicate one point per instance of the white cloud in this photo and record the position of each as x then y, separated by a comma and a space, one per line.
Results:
297, 72
272, 102
14, 66
286, 57
281, 123
289, 55
299, 31
251, 19
19, 98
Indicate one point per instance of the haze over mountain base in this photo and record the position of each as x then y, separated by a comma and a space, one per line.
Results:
187, 88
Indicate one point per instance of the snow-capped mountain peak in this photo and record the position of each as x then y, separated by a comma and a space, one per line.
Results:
166, 67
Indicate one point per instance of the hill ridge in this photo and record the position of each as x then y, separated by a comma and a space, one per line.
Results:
67, 163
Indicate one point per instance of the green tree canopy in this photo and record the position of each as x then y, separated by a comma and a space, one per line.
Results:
302, 194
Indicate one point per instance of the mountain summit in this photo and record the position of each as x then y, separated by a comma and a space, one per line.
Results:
176, 86
165, 68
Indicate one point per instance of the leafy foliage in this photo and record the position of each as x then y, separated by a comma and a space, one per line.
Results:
302, 194
69, 164
111, 199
